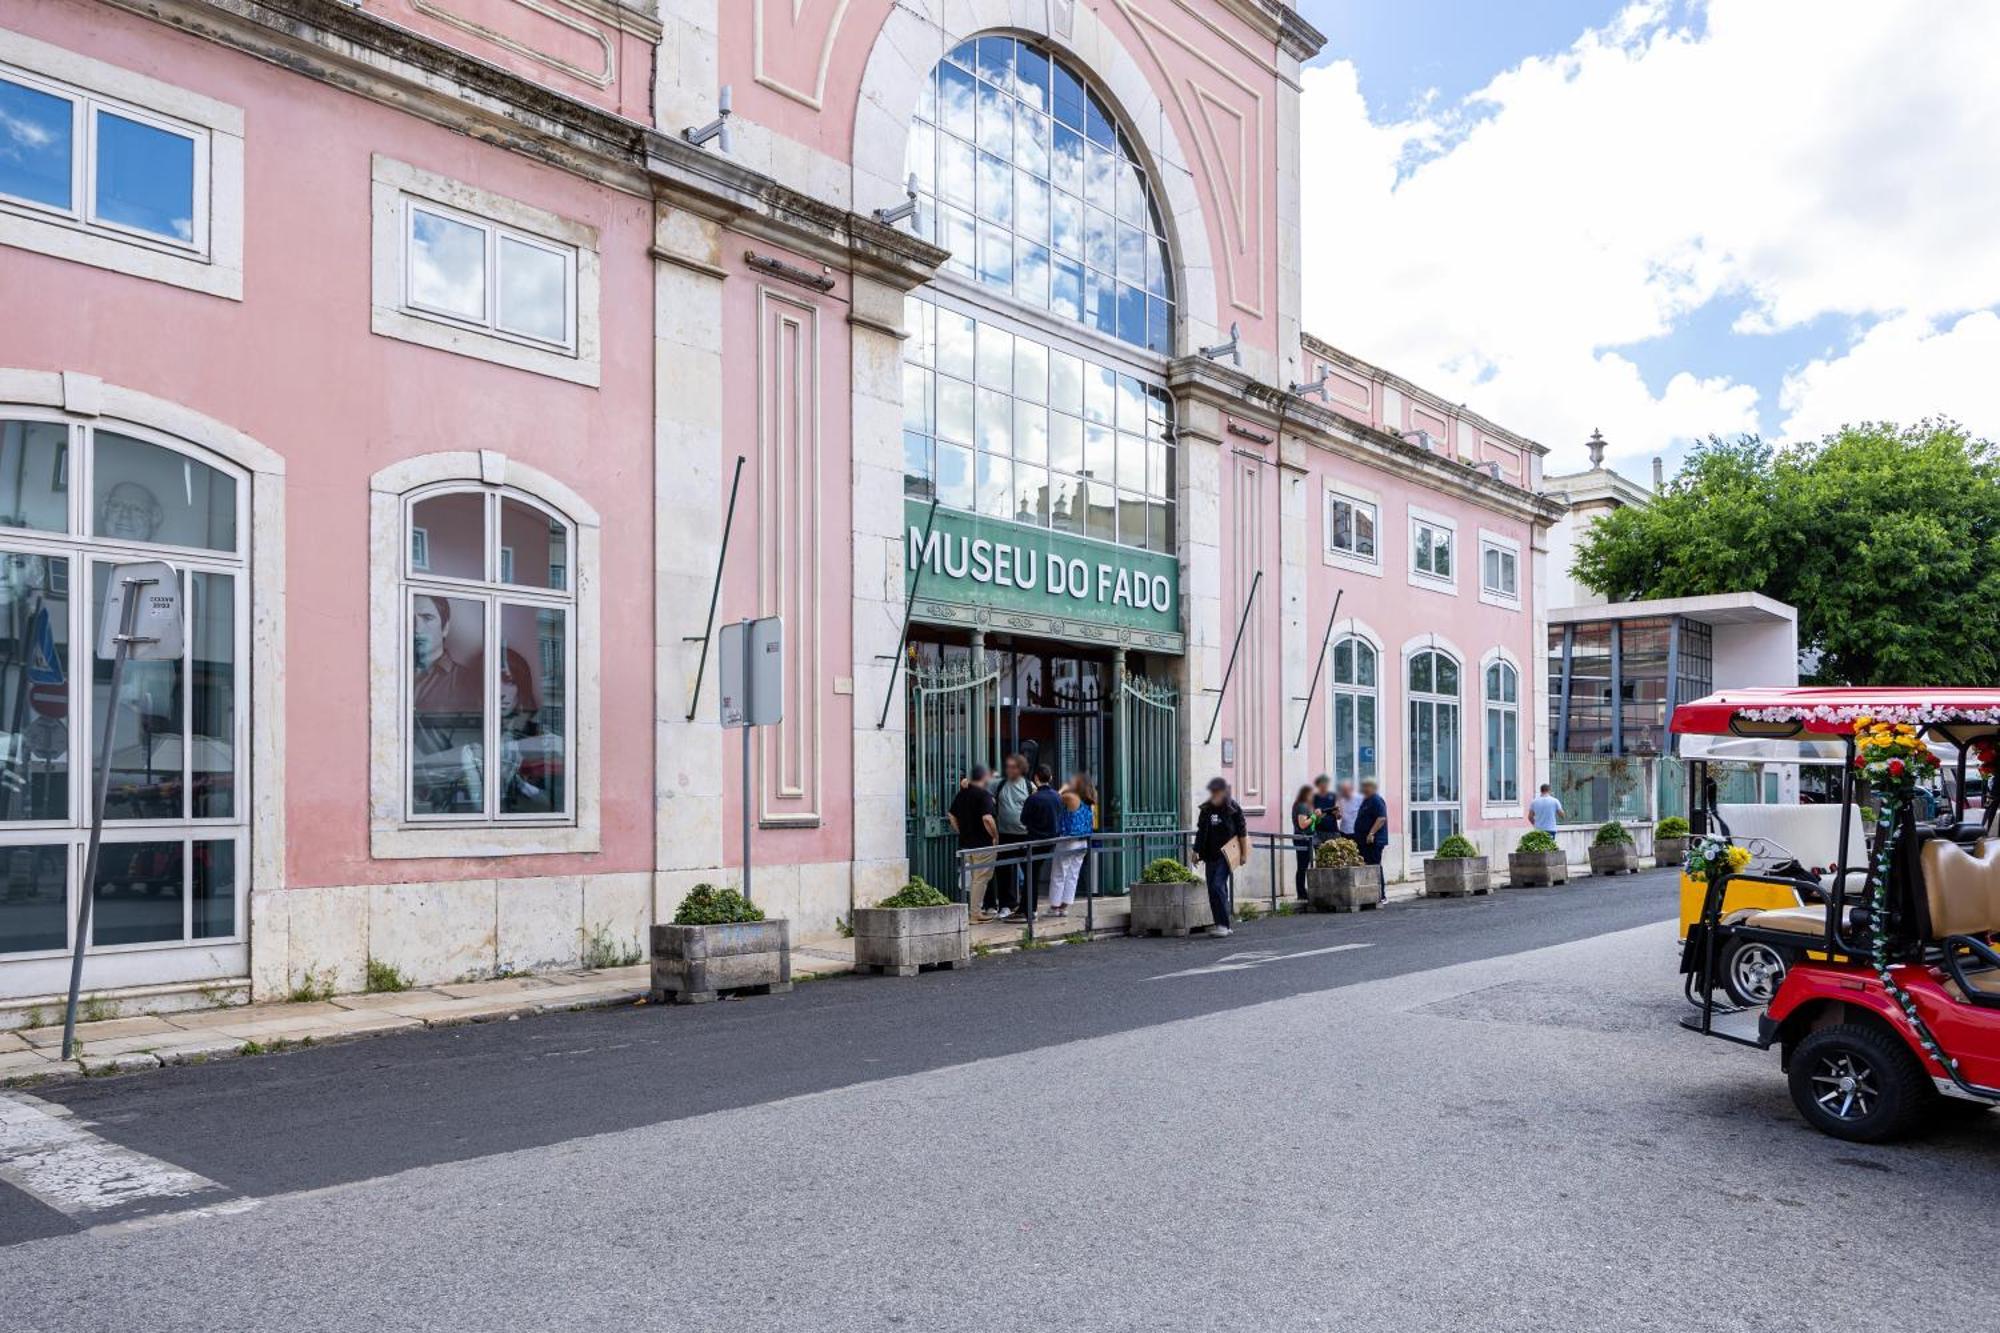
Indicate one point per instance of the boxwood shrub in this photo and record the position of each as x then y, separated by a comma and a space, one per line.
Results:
707, 905
1610, 833
1166, 870
1538, 841
1337, 854
1455, 848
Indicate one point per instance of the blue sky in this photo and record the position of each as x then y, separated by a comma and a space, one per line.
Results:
1664, 217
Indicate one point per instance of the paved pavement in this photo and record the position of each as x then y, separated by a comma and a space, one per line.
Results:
1466, 1115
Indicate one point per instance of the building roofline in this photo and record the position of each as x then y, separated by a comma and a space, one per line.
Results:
1726, 608
1326, 351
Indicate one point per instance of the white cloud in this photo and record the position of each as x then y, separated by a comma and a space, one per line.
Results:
1902, 369
1804, 156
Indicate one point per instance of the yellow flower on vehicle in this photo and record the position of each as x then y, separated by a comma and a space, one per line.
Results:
1738, 857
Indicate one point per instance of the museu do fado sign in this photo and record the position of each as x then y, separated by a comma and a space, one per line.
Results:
972, 561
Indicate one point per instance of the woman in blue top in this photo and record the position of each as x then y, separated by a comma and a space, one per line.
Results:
1079, 821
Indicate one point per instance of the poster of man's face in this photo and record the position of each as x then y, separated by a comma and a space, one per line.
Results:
129, 513
428, 621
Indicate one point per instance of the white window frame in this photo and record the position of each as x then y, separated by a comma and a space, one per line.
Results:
1423, 578
400, 191
1358, 500
1510, 548
395, 832
1495, 711
1374, 694
1413, 700
212, 261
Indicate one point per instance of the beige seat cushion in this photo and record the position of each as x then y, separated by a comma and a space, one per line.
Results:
1808, 920
1963, 888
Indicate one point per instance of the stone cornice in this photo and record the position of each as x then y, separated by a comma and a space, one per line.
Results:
1282, 24
1229, 390
1347, 361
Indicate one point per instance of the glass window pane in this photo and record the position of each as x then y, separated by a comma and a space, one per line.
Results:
1031, 141
1343, 738
1066, 289
1066, 224
1031, 207
996, 486
448, 535
1423, 750
137, 897
1065, 383
1156, 469
996, 191
34, 686
1065, 514
1420, 673
214, 898
1066, 442
211, 641
1031, 433
916, 465
996, 422
1131, 462
954, 411
1100, 394
447, 704
1031, 495
145, 178
996, 357
1066, 95
1031, 370
1132, 519
1447, 759
1364, 530
1364, 713
955, 100
958, 234
1447, 675
1031, 274
534, 291
919, 412
539, 543
1343, 662
144, 493
954, 476
1100, 517
534, 710
1031, 76
34, 898
1364, 664
996, 60
1099, 453
34, 469
1160, 527
41, 143
957, 172
447, 265
996, 256
956, 340
147, 733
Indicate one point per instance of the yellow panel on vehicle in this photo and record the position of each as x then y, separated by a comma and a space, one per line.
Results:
1741, 894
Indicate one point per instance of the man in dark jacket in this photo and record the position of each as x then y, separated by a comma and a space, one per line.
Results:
1041, 816
1219, 835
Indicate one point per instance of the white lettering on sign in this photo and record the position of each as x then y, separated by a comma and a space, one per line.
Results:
1002, 564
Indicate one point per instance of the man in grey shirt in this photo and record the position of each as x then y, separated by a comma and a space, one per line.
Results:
1007, 802
1545, 811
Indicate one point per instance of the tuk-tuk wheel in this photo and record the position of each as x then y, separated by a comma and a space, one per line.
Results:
1859, 1083
1752, 971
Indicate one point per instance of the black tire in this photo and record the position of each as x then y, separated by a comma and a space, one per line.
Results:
1859, 1082
1751, 971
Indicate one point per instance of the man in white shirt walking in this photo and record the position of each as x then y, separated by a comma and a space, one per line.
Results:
1545, 811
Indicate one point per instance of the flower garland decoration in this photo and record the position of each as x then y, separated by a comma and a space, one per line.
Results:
1987, 755
1893, 759
1840, 715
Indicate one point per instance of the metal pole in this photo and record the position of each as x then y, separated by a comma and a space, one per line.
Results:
747, 657
1319, 667
1242, 623
100, 786
909, 604
715, 593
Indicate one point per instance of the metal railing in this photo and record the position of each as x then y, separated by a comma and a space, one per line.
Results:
1030, 866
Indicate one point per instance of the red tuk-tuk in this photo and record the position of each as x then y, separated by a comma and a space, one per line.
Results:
1891, 1015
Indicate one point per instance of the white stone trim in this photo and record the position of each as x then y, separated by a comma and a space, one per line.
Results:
216, 266
1511, 545
1330, 556
1523, 781
391, 835
915, 36
391, 183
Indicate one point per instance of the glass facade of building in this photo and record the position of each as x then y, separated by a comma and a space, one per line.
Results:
1614, 683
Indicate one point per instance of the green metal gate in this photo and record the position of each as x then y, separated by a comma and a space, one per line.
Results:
954, 719
1147, 792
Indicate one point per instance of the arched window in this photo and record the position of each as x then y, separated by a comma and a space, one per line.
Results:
1011, 410
489, 605
1354, 709
1023, 174
1503, 734
78, 497
1434, 732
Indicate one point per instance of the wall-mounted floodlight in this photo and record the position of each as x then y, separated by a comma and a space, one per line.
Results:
1316, 389
715, 129
1233, 349
889, 217
1423, 439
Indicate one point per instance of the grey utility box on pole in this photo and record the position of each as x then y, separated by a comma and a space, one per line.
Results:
752, 681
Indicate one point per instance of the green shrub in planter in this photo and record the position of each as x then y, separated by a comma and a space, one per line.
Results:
1538, 842
1337, 854
917, 893
707, 905
1610, 833
1166, 870
1455, 848
1673, 826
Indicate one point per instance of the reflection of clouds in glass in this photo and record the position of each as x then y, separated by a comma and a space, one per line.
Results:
145, 177
24, 134
35, 137
534, 291
447, 265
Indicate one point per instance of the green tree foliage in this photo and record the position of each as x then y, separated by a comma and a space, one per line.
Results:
1886, 539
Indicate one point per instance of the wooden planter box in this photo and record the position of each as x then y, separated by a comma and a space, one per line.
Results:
1458, 878
1614, 859
897, 941
694, 964
1530, 868
1169, 909
1669, 851
1344, 888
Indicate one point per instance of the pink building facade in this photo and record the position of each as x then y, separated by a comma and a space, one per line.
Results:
438, 359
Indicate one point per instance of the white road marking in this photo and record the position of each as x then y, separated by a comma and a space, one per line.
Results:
1243, 962
48, 1155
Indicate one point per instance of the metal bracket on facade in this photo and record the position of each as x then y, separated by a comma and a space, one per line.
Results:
778, 268
1242, 623
909, 604
715, 593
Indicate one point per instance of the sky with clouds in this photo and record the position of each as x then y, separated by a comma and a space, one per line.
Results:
1666, 218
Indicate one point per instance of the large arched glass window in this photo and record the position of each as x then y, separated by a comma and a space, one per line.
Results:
79, 497
1434, 731
1023, 174
1354, 709
1503, 734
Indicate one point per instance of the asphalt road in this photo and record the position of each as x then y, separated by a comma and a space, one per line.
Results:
1484, 1117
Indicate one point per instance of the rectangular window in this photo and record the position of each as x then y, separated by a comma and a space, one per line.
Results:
101, 165
1350, 527
1430, 548
477, 272
1499, 571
